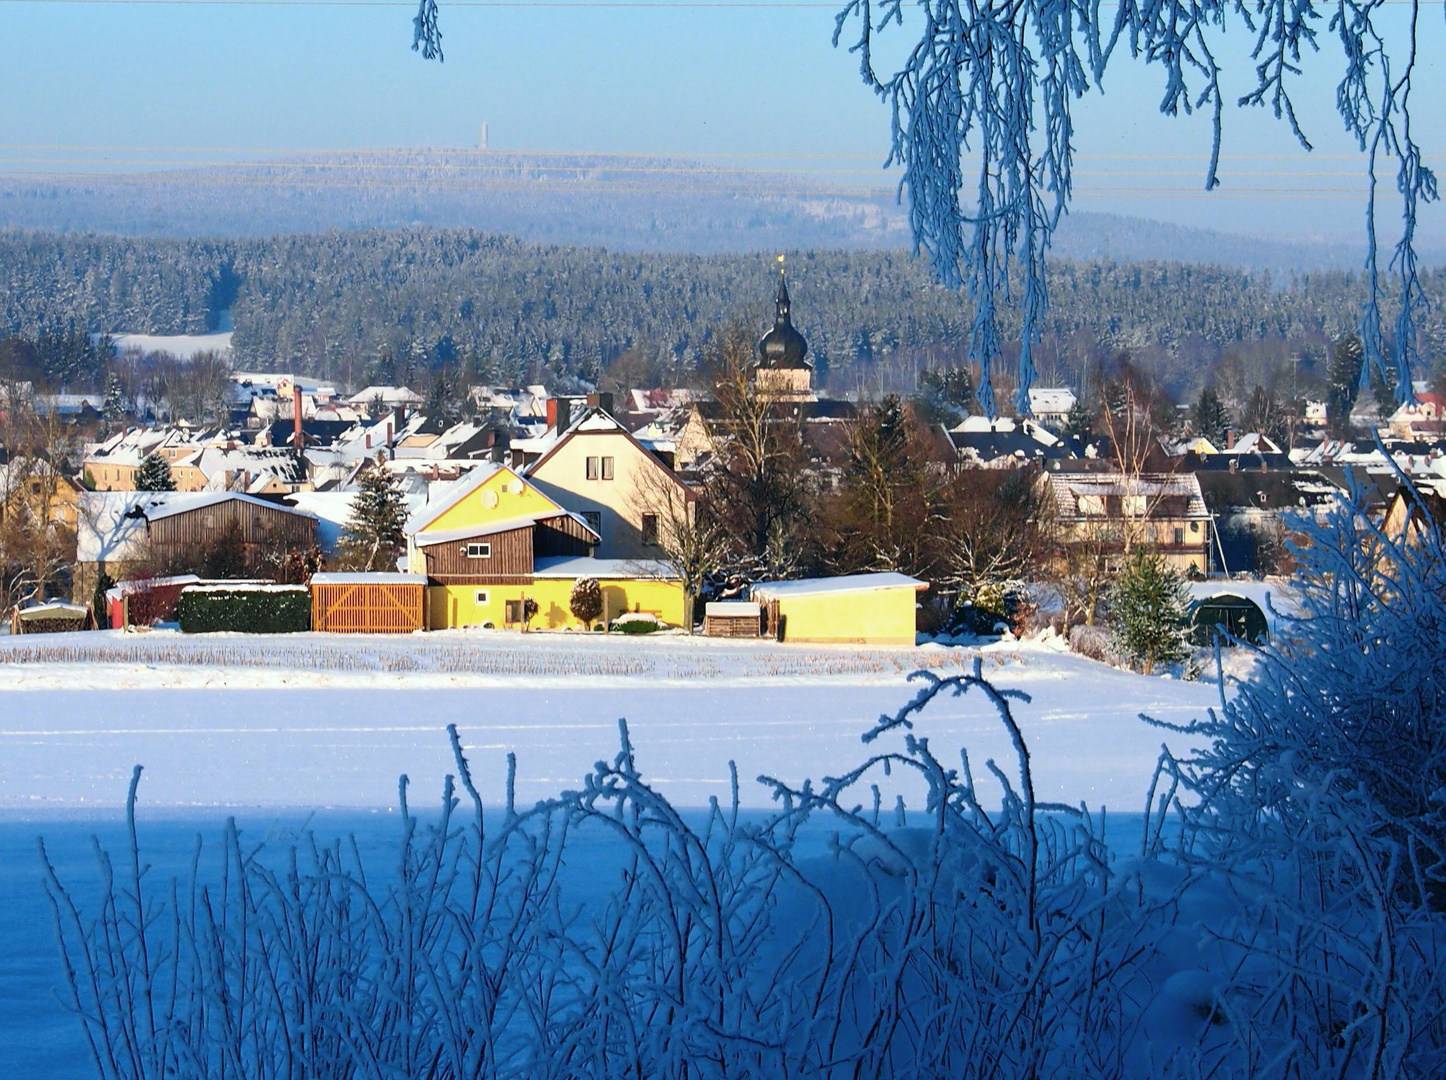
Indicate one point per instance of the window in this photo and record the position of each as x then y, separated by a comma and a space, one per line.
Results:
1134, 505
479, 551
481, 597
1179, 537
1194, 526
594, 520
650, 528
607, 468
592, 468
513, 611
1091, 505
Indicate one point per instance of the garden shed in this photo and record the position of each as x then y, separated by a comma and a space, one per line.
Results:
732, 618
54, 617
858, 609
368, 603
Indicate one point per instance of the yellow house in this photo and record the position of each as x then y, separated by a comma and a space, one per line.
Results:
499, 553
857, 609
619, 487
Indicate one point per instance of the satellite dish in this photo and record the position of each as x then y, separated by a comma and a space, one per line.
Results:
515, 487
489, 499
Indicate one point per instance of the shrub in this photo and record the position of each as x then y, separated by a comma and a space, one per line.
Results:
586, 601
245, 609
637, 622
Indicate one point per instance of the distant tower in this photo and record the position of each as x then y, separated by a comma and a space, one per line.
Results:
482, 141
781, 367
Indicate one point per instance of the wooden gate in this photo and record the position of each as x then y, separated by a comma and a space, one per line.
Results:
368, 603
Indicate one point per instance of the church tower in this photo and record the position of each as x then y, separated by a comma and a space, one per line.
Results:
781, 367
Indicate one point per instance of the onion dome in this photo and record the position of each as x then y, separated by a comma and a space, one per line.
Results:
783, 346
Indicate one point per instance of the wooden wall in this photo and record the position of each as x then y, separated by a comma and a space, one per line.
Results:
368, 607
259, 526
510, 563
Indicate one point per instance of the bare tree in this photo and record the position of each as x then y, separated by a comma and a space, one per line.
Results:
757, 477
687, 532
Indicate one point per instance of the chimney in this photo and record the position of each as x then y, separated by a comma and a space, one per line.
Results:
369, 440
603, 401
297, 439
1232, 465
389, 434
1230, 438
559, 413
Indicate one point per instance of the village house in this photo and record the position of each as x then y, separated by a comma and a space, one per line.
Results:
1120, 510
498, 552
598, 469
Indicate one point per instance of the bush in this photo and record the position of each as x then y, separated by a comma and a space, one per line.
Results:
244, 609
586, 601
638, 622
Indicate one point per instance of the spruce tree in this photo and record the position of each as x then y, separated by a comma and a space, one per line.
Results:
1147, 610
1343, 382
1079, 421
115, 400
154, 474
375, 531
1210, 417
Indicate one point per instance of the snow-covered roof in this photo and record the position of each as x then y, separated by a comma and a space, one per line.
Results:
111, 525
1271, 597
52, 609
1051, 400
443, 500
737, 609
242, 586
1070, 487
391, 395
368, 579
770, 590
467, 532
575, 566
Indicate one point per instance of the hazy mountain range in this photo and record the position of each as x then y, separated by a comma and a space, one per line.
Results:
623, 203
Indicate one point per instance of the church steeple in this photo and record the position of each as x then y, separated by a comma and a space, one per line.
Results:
783, 346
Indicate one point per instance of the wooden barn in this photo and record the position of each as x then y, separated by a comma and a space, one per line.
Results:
369, 603
135, 533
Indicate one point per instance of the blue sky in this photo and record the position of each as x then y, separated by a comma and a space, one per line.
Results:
763, 85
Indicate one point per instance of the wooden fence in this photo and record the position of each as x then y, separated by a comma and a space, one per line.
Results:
368, 607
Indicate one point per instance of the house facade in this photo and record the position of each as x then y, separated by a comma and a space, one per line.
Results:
1115, 511
499, 553
599, 470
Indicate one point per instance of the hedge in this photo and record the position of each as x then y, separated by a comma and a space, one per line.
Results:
246, 609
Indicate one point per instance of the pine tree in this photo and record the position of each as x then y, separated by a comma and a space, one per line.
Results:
586, 601
1079, 421
374, 533
115, 401
154, 474
1343, 382
1210, 417
1147, 610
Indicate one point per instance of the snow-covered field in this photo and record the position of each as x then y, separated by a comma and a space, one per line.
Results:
316, 720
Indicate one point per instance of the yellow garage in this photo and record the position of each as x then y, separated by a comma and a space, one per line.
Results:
858, 609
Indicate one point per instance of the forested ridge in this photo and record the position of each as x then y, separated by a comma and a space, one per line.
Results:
356, 305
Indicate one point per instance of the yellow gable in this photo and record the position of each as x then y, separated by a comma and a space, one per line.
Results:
501, 496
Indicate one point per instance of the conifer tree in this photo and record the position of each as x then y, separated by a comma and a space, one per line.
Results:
154, 474
1210, 417
1079, 421
115, 401
1147, 610
375, 531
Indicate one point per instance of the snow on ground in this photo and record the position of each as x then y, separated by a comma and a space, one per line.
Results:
320, 720
181, 346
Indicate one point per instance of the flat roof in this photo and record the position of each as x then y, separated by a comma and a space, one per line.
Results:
846, 584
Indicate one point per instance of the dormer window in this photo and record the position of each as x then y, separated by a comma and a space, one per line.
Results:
479, 551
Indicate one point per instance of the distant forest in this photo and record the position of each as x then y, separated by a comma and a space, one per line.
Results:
396, 305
